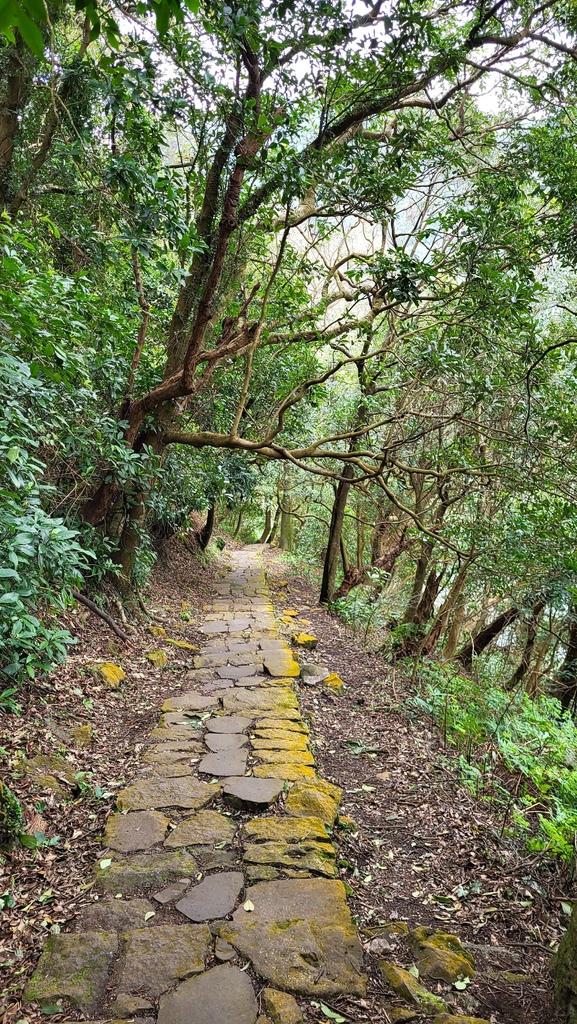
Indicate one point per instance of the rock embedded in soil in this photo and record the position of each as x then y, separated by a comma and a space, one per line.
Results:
318, 799
138, 830
142, 870
214, 897
155, 958
180, 792
300, 937
312, 674
228, 724
407, 987
225, 764
288, 830
281, 663
440, 955
126, 1005
449, 1018
223, 995
75, 968
114, 916
279, 723
203, 828
260, 872
106, 672
172, 892
281, 1007
248, 793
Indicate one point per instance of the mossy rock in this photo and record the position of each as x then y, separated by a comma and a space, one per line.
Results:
82, 735
347, 824
49, 772
183, 644
407, 987
386, 930
440, 955
281, 1007
450, 1018
334, 682
564, 970
108, 673
157, 658
306, 640
74, 968
157, 630
314, 799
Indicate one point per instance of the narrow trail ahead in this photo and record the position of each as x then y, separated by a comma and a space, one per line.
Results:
215, 810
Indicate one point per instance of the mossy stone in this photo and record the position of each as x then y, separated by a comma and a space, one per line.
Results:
306, 640
440, 955
310, 856
334, 682
281, 1007
450, 1018
49, 772
407, 987
318, 799
82, 735
287, 830
108, 673
288, 771
143, 870
74, 968
157, 658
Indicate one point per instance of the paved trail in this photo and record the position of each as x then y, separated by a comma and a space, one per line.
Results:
219, 854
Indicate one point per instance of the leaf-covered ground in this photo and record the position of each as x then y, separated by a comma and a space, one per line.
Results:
424, 850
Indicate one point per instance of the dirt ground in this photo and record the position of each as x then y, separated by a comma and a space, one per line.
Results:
423, 850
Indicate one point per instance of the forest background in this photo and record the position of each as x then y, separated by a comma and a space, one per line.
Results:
308, 270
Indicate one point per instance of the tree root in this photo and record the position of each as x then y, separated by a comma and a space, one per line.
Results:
103, 615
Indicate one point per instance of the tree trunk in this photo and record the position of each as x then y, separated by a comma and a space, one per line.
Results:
360, 533
418, 582
275, 523
455, 628
532, 681
238, 526
478, 643
15, 94
354, 577
267, 527
442, 618
344, 557
430, 593
335, 532
523, 667
205, 534
566, 681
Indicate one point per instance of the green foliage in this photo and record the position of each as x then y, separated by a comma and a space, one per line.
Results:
534, 739
11, 817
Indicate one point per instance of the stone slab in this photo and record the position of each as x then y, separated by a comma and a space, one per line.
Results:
288, 830
249, 793
171, 892
204, 828
228, 724
288, 771
156, 958
281, 663
113, 916
235, 671
189, 702
223, 995
285, 756
74, 968
225, 763
138, 830
280, 739
154, 793
214, 897
144, 870
300, 937
307, 855
225, 741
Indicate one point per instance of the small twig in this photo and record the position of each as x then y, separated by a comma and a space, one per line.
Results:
103, 615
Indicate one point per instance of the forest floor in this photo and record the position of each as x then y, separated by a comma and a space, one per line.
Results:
423, 851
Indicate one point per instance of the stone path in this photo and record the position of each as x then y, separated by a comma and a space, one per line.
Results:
219, 857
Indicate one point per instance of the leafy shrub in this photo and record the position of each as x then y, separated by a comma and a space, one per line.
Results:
534, 738
11, 817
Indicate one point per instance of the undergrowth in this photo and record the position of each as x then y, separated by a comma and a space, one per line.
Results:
534, 740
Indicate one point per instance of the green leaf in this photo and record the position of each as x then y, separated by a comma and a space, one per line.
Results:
30, 33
